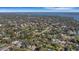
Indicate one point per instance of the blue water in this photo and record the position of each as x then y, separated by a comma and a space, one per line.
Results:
75, 15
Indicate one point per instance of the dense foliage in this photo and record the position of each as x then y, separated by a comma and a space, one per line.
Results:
38, 33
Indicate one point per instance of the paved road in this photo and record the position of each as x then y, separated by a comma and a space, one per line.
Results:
46, 30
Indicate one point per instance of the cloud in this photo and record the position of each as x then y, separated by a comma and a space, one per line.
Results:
59, 8
63, 9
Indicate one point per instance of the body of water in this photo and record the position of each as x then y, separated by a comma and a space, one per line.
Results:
75, 15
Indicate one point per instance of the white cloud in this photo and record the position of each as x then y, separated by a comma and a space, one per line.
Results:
59, 8
63, 8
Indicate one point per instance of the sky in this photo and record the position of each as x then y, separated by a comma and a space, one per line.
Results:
39, 9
